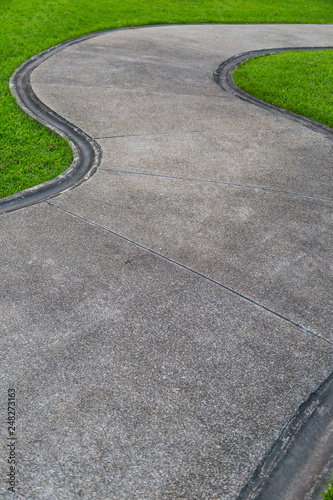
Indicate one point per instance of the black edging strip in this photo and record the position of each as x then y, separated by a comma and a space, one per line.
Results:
223, 76
294, 468
301, 459
87, 152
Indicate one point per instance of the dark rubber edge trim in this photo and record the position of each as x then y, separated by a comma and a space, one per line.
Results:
295, 465
87, 152
223, 76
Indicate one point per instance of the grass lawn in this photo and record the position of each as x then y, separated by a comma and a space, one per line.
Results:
29, 153
297, 81
328, 494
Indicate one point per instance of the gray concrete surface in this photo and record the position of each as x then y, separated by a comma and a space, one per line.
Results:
163, 321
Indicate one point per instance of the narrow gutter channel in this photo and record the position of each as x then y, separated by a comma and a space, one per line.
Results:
301, 461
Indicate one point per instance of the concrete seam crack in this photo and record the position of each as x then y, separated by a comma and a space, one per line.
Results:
231, 184
193, 271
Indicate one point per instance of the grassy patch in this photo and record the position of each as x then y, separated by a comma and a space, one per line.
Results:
27, 156
29, 153
297, 81
328, 494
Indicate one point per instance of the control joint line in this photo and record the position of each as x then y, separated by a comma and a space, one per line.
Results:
232, 184
193, 271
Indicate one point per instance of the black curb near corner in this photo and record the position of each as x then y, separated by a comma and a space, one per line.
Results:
223, 76
87, 152
301, 461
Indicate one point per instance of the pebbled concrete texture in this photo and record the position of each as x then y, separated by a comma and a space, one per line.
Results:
252, 158
272, 247
134, 377
110, 112
152, 317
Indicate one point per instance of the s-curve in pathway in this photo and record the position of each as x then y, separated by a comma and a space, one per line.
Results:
164, 321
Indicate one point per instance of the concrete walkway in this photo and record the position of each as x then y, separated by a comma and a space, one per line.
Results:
164, 321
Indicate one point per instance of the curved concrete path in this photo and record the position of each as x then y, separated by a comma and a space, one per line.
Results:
164, 321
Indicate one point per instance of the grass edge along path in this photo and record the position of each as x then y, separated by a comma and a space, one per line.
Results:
296, 81
328, 494
31, 154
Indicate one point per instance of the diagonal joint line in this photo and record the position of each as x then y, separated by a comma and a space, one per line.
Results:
193, 271
224, 183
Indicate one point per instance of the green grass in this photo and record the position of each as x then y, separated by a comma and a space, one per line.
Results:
29, 153
328, 494
297, 81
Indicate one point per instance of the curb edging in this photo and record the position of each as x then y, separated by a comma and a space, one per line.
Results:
87, 152
296, 465
223, 77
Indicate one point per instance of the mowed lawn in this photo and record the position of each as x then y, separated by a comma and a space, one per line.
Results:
301, 82
29, 153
